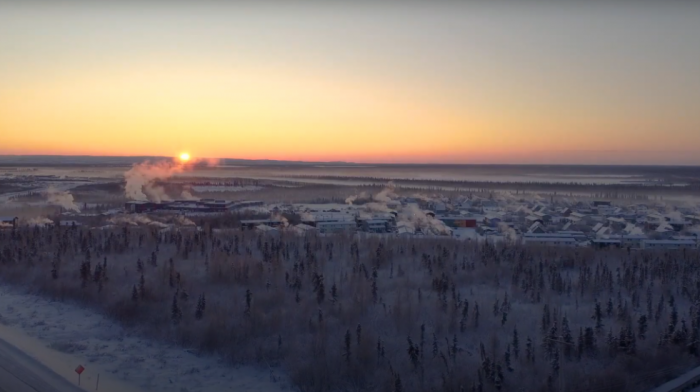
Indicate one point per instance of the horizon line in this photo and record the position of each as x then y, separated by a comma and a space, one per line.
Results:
364, 163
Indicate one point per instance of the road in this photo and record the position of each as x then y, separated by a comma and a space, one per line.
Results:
21, 373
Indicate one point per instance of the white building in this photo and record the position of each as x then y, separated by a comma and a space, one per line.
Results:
550, 241
335, 227
669, 244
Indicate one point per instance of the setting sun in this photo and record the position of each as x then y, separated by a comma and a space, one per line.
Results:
184, 157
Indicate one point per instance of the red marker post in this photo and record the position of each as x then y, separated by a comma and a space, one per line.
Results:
80, 369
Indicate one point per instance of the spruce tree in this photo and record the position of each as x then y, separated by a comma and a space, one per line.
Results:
346, 351
135, 294
176, 313
567, 338
598, 317
642, 327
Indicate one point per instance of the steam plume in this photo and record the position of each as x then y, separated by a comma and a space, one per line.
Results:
141, 178
187, 195
415, 218
62, 199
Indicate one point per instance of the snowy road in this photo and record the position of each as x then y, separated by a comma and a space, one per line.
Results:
55, 337
21, 373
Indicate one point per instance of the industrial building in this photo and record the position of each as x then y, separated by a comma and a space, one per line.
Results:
196, 206
669, 244
336, 227
250, 224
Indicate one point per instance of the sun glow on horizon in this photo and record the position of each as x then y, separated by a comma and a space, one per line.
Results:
184, 157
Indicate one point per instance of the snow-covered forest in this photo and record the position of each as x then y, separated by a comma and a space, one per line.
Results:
366, 313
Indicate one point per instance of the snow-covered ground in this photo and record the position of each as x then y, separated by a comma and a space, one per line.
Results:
62, 335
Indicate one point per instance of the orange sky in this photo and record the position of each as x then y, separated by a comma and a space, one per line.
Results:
308, 85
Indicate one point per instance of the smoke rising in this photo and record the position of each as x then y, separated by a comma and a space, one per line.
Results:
386, 195
508, 232
284, 220
412, 216
141, 179
61, 198
187, 195
361, 198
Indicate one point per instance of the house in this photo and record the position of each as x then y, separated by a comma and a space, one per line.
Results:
458, 221
543, 216
532, 219
665, 227
576, 217
617, 223
536, 228
438, 206
603, 231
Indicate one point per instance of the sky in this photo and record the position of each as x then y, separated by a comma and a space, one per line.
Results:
441, 82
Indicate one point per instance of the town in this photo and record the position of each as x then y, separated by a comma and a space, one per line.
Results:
535, 221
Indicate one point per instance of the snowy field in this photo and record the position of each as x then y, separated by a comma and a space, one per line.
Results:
63, 335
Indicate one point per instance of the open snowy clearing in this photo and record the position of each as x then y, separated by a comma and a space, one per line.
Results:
61, 336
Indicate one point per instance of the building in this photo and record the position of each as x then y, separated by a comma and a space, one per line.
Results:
200, 206
139, 207
375, 225
8, 221
536, 228
250, 224
458, 221
603, 243
550, 241
626, 240
669, 244
302, 229
336, 227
